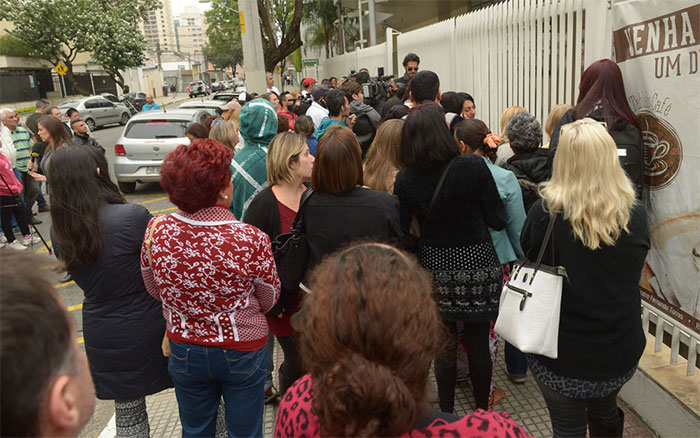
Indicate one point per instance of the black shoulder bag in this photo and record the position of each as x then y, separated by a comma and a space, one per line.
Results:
291, 250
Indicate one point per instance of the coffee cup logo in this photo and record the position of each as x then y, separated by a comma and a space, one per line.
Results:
663, 151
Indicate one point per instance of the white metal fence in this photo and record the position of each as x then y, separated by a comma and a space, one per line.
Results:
370, 58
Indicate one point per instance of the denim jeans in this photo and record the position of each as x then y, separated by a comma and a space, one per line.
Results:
570, 416
202, 375
516, 362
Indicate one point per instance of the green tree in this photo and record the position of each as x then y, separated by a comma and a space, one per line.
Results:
58, 30
10, 45
321, 18
224, 48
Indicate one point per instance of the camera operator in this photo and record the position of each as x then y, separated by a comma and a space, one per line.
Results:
367, 117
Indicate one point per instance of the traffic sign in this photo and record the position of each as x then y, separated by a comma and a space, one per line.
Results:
310, 61
61, 68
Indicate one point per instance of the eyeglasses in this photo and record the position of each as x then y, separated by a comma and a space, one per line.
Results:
411, 68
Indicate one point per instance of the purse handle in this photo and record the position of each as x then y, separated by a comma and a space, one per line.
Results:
436, 193
547, 237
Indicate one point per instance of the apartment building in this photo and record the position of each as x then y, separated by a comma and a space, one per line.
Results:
159, 29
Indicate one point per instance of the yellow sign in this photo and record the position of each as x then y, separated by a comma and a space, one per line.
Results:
61, 68
242, 21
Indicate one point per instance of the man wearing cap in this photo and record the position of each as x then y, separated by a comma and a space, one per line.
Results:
317, 111
307, 85
227, 112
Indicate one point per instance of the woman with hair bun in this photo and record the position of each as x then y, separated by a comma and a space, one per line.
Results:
368, 373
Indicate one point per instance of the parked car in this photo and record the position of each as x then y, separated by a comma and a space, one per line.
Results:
97, 111
218, 86
225, 96
210, 106
126, 102
240, 89
136, 99
146, 139
197, 88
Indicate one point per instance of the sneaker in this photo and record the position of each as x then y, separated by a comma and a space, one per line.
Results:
3, 239
30, 240
16, 245
516, 378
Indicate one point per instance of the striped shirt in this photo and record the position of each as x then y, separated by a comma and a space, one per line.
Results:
23, 145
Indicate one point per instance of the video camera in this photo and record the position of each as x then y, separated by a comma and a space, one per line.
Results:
375, 89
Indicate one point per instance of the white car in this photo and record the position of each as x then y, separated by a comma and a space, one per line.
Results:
96, 111
211, 106
146, 139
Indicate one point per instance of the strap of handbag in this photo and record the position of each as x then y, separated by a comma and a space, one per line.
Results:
298, 222
150, 237
547, 239
7, 185
437, 192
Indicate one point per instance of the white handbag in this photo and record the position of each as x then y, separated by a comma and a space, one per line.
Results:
528, 313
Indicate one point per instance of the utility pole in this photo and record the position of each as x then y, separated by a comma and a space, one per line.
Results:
252, 46
359, 14
372, 24
341, 24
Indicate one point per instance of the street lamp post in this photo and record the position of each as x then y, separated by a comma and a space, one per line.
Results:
253, 57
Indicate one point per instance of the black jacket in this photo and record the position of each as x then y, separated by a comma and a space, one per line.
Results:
334, 221
530, 169
627, 138
87, 140
600, 328
123, 325
264, 213
366, 124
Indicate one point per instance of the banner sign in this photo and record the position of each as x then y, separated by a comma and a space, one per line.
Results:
657, 46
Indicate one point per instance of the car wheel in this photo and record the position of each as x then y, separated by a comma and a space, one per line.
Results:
90, 124
127, 187
125, 118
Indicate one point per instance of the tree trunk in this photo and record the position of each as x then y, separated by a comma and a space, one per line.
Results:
71, 79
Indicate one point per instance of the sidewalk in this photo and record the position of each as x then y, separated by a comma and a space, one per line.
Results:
523, 402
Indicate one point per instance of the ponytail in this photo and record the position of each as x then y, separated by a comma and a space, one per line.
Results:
474, 133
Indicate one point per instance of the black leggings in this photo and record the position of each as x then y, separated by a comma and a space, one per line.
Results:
6, 213
291, 368
476, 341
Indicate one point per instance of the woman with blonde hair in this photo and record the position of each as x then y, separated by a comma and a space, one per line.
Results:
382, 161
504, 151
289, 166
225, 133
553, 120
601, 237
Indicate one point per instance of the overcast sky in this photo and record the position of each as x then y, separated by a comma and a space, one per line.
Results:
179, 5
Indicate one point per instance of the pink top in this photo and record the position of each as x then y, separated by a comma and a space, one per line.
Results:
296, 418
9, 176
215, 276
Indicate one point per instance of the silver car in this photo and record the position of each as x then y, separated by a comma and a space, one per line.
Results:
97, 111
211, 106
146, 139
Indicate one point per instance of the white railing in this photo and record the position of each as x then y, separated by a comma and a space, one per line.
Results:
370, 58
679, 335
520, 52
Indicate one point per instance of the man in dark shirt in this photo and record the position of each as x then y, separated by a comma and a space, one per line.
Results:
410, 64
31, 122
81, 135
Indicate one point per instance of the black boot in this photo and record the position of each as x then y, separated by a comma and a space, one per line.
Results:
599, 429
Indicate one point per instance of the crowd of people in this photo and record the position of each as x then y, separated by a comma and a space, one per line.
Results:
413, 213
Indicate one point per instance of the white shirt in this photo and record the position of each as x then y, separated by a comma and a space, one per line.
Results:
273, 88
8, 146
317, 113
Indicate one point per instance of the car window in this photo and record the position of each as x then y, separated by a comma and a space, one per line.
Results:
141, 95
90, 104
104, 103
153, 129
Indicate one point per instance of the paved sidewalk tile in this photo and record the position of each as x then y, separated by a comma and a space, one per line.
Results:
523, 402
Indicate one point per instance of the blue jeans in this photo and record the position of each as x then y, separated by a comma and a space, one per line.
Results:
203, 374
516, 362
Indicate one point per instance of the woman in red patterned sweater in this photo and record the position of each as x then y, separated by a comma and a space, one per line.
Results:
216, 278
369, 332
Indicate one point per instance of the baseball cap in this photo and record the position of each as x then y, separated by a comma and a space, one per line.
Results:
309, 81
318, 92
230, 105
243, 97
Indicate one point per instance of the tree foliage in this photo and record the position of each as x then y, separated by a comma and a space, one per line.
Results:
224, 48
321, 18
10, 45
58, 30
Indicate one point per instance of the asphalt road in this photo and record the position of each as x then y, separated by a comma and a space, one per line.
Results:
152, 197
